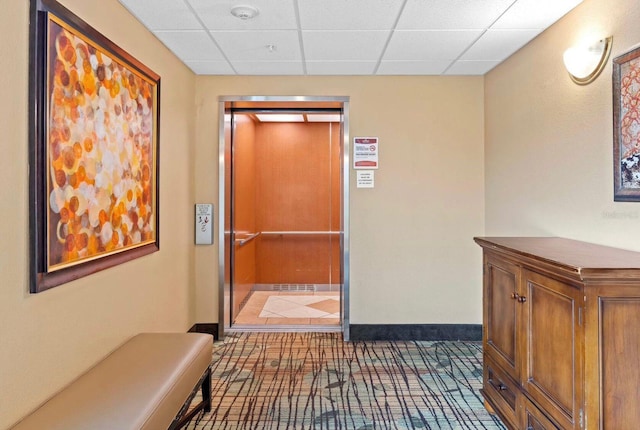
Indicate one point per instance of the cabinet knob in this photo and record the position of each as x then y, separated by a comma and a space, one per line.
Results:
518, 297
498, 386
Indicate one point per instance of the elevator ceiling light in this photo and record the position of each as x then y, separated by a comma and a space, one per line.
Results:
323, 117
280, 117
244, 12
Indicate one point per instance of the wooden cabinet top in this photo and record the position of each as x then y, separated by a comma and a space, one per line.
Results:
580, 260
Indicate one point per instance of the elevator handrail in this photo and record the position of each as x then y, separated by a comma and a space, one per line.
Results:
301, 232
244, 241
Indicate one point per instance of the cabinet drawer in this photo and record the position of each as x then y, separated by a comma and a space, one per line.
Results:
500, 391
534, 419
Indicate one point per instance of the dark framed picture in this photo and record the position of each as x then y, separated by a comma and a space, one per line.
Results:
626, 126
93, 150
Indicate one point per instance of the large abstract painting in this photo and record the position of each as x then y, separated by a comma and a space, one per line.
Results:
94, 150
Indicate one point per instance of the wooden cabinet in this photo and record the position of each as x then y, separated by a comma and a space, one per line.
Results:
561, 333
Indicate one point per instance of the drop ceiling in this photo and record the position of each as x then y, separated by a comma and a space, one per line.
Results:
347, 37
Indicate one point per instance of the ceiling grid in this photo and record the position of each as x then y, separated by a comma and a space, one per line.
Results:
347, 37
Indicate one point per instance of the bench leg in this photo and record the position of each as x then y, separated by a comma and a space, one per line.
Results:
183, 418
206, 391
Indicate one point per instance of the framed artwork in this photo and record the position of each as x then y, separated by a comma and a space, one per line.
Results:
626, 126
93, 150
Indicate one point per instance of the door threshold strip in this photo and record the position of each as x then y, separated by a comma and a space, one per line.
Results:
281, 328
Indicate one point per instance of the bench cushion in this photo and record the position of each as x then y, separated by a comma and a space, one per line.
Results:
141, 385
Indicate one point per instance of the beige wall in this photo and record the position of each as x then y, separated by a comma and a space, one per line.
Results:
412, 255
524, 147
48, 338
546, 145
548, 141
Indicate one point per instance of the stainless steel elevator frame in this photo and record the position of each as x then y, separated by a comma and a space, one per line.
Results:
224, 235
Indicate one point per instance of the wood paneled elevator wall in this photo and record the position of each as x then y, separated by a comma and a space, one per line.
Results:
287, 180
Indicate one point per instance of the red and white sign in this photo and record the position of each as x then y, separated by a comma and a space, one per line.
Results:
365, 152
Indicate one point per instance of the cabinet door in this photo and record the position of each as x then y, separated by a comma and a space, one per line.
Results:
501, 280
553, 348
613, 341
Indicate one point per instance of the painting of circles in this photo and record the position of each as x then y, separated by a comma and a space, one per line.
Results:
99, 156
100, 152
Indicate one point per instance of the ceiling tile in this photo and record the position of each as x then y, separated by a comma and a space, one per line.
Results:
163, 14
413, 67
538, 14
451, 14
429, 45
273, 14
497, 45
254, 45
190, 45
348, 15
471, 67
344, 45
268, 68
341, 67
210, 67
347, 37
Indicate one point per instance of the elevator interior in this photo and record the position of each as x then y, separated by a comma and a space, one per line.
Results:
284, 215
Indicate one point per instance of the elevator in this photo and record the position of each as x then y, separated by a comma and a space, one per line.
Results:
284, 164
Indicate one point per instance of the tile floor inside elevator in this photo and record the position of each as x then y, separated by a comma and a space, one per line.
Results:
291, 308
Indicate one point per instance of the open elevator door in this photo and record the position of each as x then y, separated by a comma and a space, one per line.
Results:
255, 228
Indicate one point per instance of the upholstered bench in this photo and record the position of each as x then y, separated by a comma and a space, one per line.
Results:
147, 383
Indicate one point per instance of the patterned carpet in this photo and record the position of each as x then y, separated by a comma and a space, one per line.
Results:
317, 381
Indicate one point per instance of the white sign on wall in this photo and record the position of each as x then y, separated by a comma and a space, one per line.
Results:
365, 152
365, 178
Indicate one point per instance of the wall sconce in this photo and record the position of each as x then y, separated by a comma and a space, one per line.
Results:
584, 63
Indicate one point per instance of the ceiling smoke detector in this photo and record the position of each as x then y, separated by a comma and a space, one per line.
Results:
244, 12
